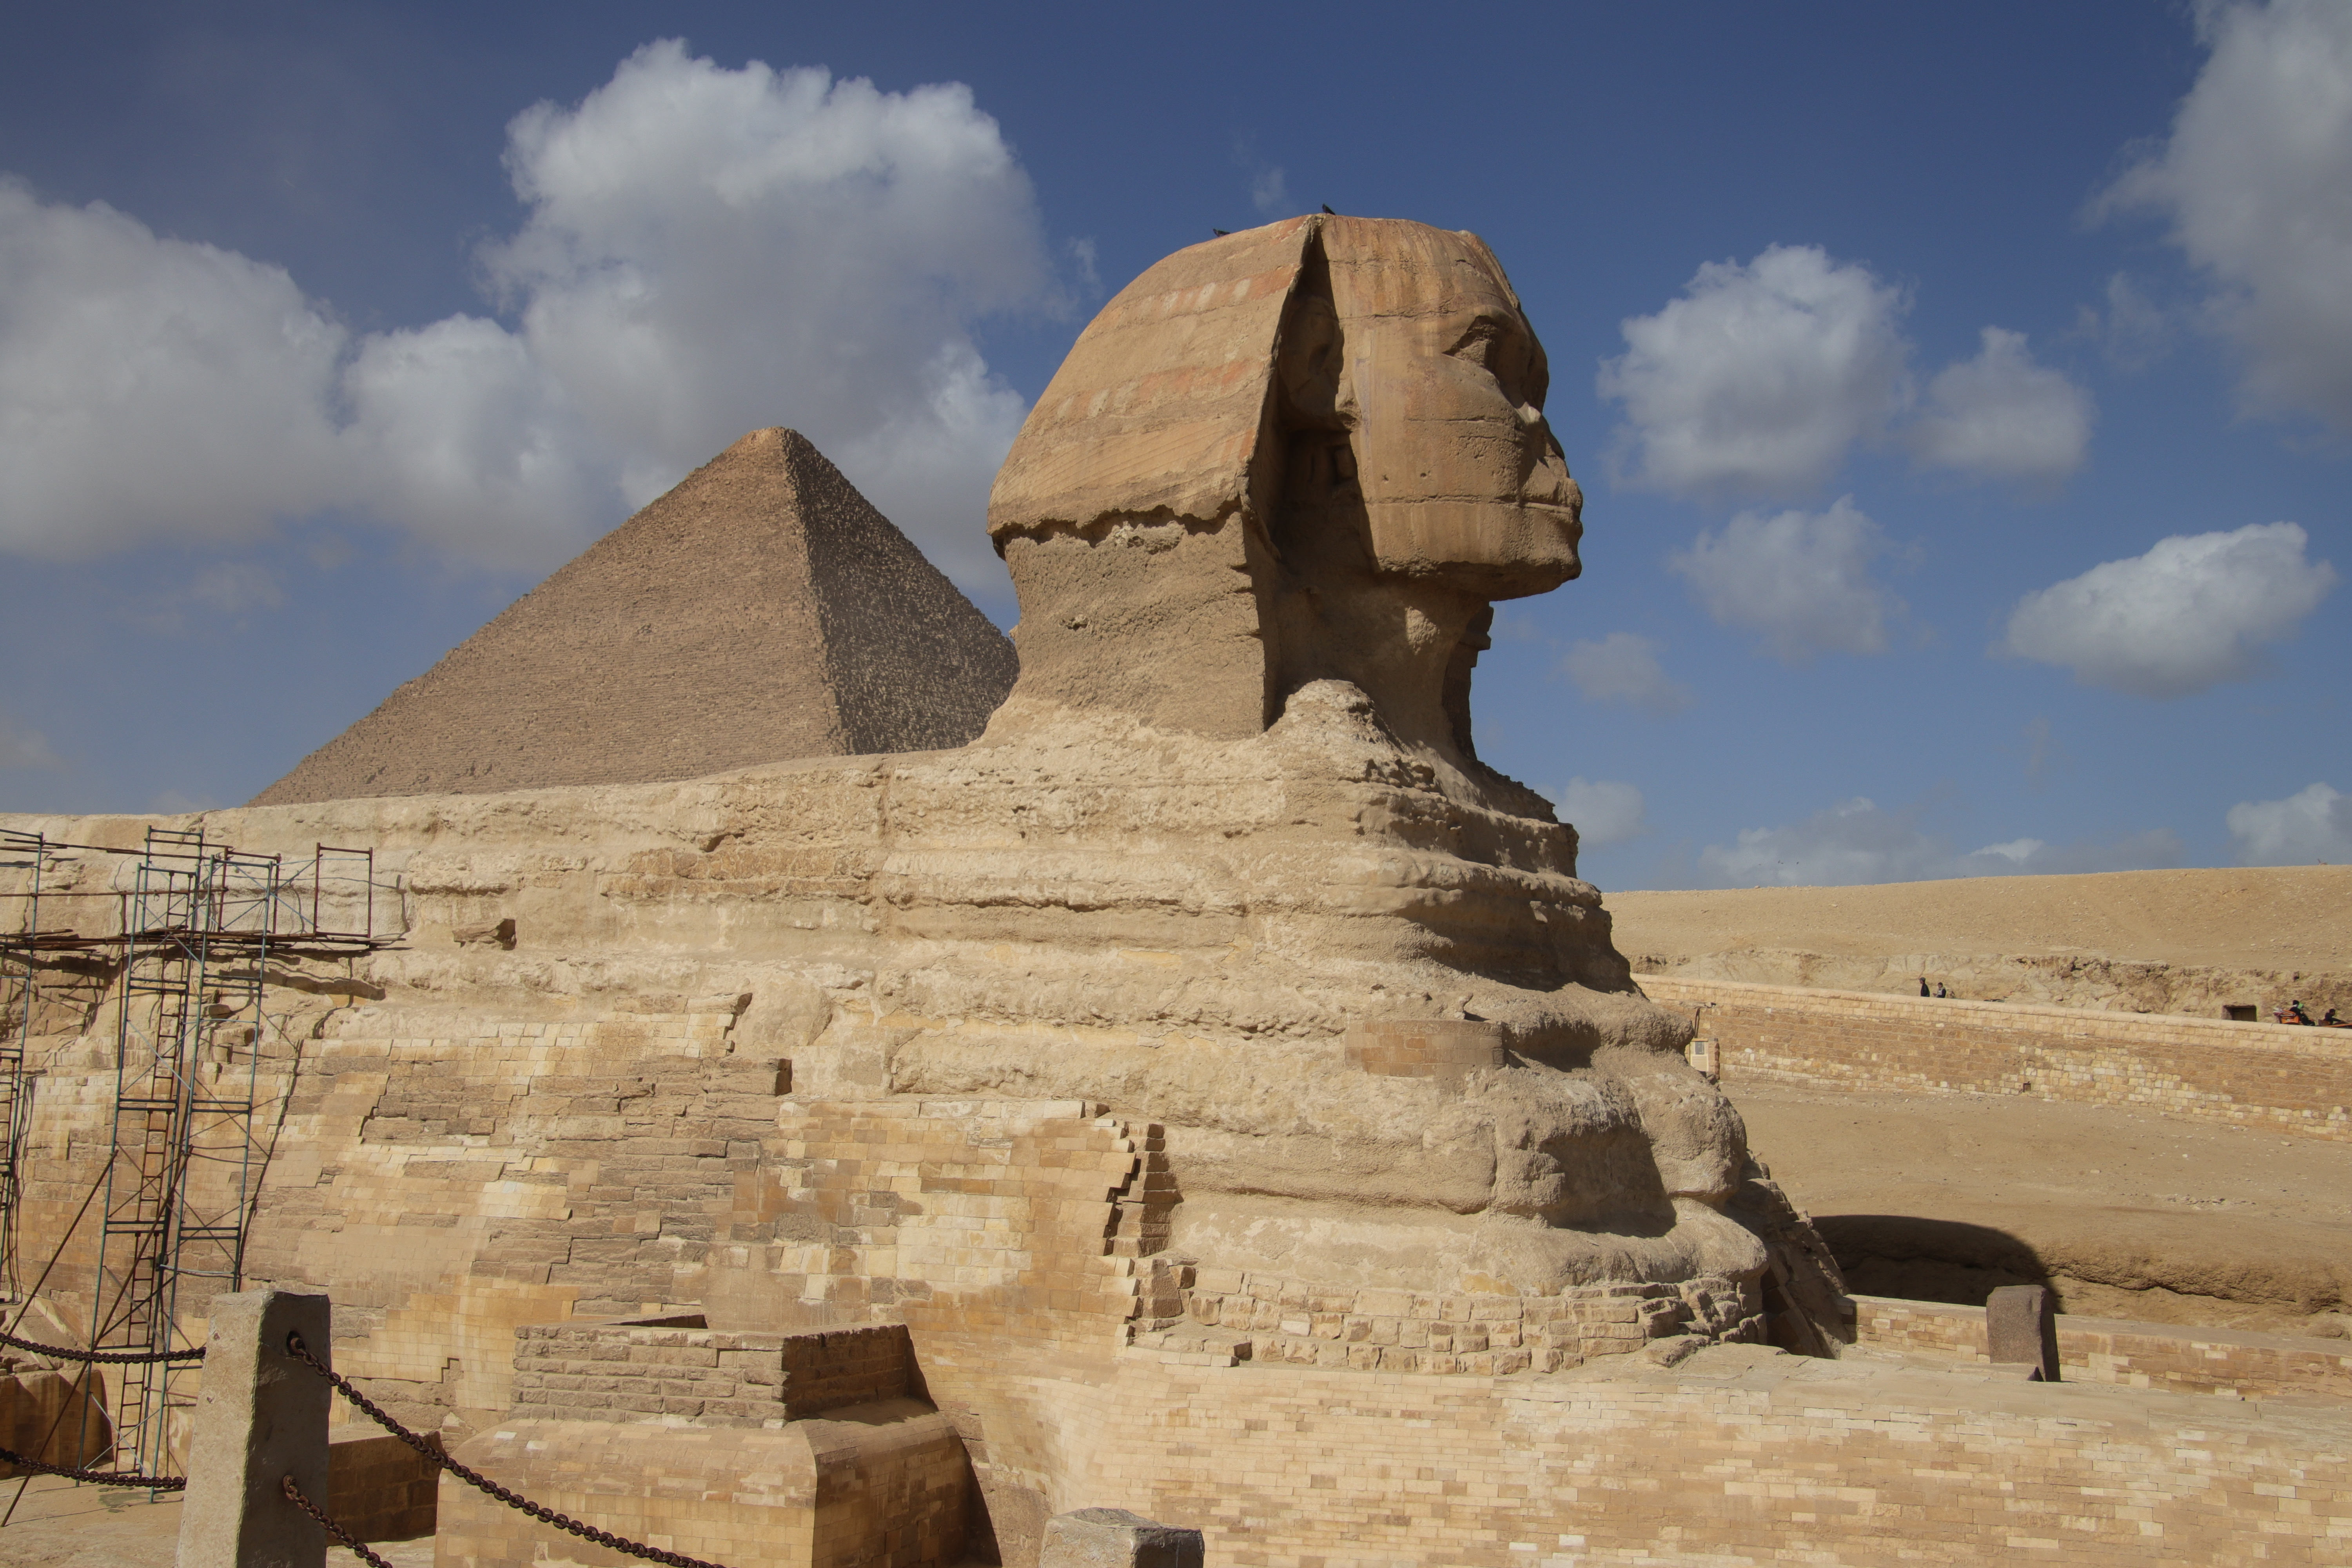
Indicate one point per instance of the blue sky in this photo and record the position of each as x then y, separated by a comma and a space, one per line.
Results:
1962, 395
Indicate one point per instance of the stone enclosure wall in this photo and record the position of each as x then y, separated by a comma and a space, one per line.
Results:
2133, 1356
2279, 1079
1737, 1455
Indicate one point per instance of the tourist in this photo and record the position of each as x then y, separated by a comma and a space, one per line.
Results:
1923, 985
2295, 1014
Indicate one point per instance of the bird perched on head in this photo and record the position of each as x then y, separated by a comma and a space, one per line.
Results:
1327, 208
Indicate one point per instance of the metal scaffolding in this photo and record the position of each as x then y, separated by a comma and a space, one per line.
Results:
197, 927
199, 920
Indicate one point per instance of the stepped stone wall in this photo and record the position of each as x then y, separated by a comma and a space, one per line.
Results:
2277, 1078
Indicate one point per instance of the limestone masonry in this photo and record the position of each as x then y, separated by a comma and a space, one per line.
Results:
1211, 1091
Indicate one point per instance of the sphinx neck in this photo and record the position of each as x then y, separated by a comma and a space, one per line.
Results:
1406, 644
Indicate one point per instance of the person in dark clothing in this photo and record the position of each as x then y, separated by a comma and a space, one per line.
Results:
1939, 989
1923, 985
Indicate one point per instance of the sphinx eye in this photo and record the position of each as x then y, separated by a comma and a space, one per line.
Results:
1479, 343
1498, 348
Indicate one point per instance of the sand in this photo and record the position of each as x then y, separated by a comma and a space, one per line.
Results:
57, 1524
2296, 917
2128, 1214
2151, 942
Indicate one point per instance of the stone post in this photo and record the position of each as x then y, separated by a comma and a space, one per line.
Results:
1114, 1537
2021, 1331
260, 1417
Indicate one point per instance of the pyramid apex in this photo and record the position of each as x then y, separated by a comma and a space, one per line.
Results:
776, 439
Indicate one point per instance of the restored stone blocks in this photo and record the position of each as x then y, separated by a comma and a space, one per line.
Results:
1403, 1331
681, 1371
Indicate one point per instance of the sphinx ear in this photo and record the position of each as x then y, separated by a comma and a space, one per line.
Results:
1308, 361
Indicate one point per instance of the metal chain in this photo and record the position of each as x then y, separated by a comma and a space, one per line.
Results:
482, 1483
101, 1477
351, 1542
112, 1358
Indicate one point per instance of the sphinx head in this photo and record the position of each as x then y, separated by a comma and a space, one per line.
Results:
1311, 451
1409, 383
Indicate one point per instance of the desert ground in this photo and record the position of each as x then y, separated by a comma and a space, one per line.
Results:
2152, 942
2128, 1214
57, 1524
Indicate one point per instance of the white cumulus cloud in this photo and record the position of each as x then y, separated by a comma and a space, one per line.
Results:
1856, 842
151, 388
2192, 612
2313, 823
1800, 580
1623, 667
1603, 812
1759, 378
2256, 181
2001, 416
473, 445
706, 250
1762, 378
711, 249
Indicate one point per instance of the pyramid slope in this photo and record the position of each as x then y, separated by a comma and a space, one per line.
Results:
761, 610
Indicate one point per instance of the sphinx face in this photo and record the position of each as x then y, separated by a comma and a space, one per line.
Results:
1442, 384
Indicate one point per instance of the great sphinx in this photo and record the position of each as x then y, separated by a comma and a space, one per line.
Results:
1257, 523
1216, 1004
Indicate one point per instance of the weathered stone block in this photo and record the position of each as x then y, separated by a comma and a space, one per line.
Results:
2022, 1331
1115, 1538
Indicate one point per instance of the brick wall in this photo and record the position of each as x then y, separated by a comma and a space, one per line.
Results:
2134, 1356
379, 1488
683, 1372
1406, 1330
449, 1178
1021, 1218
2273, 1076
846, 1366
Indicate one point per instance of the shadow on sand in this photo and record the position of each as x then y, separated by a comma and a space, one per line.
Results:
1927, 1259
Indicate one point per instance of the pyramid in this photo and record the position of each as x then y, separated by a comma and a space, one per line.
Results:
761, 610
